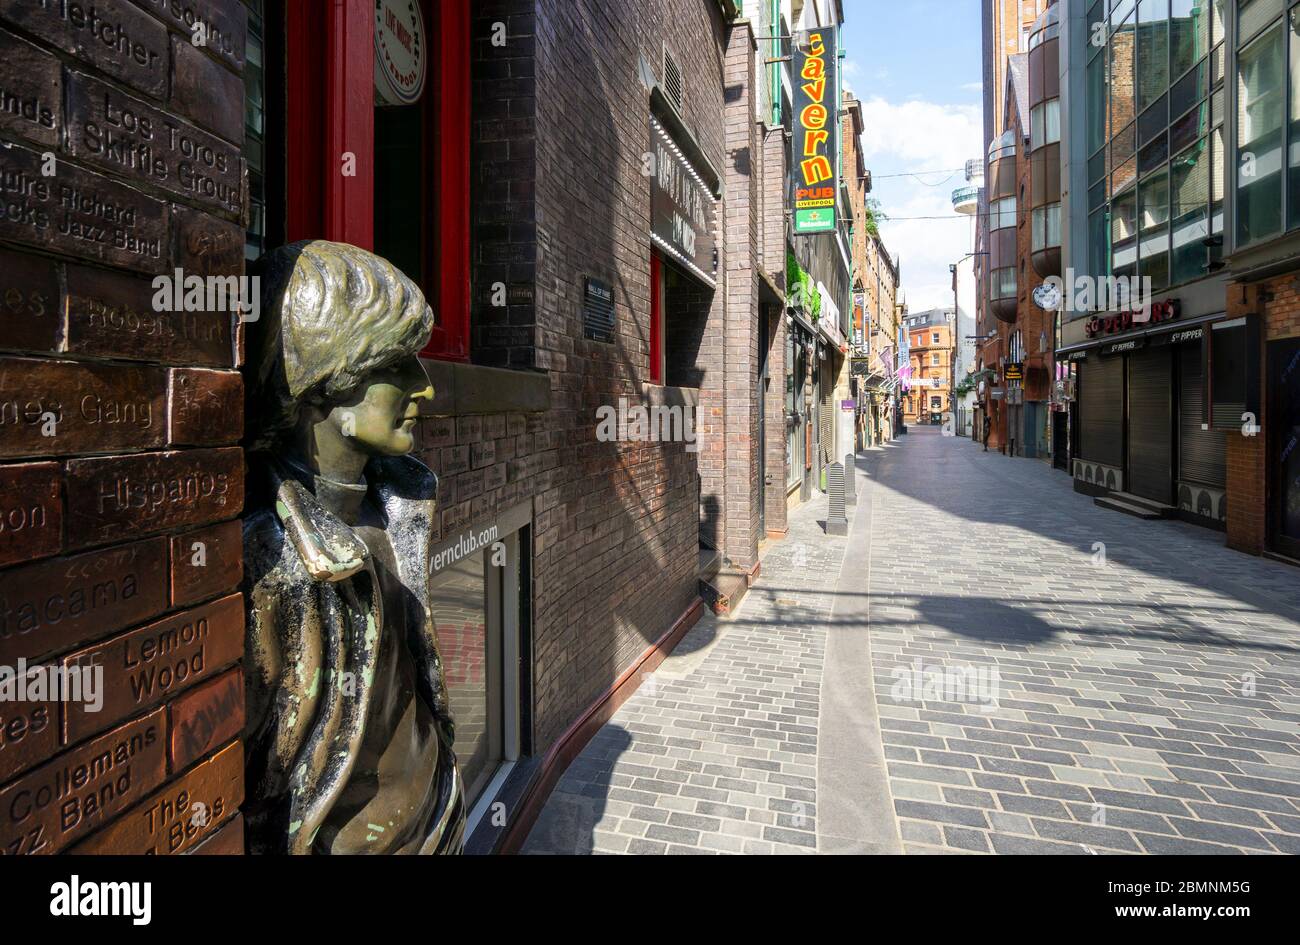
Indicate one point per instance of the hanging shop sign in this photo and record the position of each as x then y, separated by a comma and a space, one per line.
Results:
1014, 371
815, 144
682, 209
1165, 311
401, 52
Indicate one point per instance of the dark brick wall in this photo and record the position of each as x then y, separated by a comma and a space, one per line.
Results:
561, 125
120, 478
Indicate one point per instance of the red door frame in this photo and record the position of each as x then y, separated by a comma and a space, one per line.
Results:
331, 131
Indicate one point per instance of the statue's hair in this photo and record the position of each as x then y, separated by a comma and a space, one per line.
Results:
331, 314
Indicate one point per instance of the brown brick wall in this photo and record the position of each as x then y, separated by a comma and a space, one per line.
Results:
561, 126
120, 547
1276, 303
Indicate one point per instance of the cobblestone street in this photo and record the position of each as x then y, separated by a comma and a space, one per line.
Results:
1103, 684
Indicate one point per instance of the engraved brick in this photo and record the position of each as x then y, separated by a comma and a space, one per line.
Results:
205, 92
227, 841
80, 213
116, 497
53, 605
29, 302
33, 91
469, 486
439, 432
133, 140
207, 245
206, 562
207, 407
54, 408
455, 459
60, 802
116, 38
225, 24
179, 816
205, 717
28, 735
143, 667
112, 315
31, 511
483, 454
469, 429
494, 477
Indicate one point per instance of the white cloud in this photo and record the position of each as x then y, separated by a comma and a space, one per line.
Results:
916, 135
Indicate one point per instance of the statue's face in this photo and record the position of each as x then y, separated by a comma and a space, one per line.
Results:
380, 417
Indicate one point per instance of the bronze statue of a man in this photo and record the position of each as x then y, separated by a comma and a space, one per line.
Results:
349, 732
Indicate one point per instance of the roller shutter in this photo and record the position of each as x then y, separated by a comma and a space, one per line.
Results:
1101, 411
1200, 452
1150, 425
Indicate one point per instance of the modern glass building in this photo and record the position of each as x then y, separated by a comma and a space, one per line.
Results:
1180, 122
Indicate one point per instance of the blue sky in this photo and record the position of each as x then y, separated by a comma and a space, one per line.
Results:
915, 66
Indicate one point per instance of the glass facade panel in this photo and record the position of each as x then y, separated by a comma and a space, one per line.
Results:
1097, 103
1153, 51
1189, 191
1189, 32
1261, 92
1153, 219
1293, 147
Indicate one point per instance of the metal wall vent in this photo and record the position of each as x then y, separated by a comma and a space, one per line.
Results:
673, 85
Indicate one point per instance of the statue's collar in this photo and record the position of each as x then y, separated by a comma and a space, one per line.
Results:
342, 499
329, 548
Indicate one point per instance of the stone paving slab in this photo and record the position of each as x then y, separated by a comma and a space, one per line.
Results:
1055, 678
1046, 678
716, 754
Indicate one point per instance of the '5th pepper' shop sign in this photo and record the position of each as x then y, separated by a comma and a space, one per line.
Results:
816, 131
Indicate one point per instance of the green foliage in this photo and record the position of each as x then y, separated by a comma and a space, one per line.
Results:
800, 288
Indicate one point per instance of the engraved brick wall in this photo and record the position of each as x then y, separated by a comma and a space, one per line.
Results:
121, 479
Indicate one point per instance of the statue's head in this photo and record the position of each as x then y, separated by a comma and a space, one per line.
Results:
337, 343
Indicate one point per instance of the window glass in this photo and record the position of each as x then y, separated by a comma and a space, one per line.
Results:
1293, 199
255, 131
1098, 245
1124, 145
1189, 189
1121, 74
1189, 31
1255, 15
1123, 232
1153, 219
1187, 91
458, 602
1097, 111
1153, 51
1261, 91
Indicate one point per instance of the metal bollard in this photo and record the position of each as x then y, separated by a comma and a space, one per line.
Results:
837, 523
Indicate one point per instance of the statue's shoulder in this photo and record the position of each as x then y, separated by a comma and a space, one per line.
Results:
405, 477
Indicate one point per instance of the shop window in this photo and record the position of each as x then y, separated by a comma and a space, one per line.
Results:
683, 304
476, 604
1230, 368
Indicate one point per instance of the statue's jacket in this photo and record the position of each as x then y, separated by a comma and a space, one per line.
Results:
349, 732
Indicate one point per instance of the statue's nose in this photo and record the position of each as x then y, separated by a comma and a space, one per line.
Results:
426, 393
